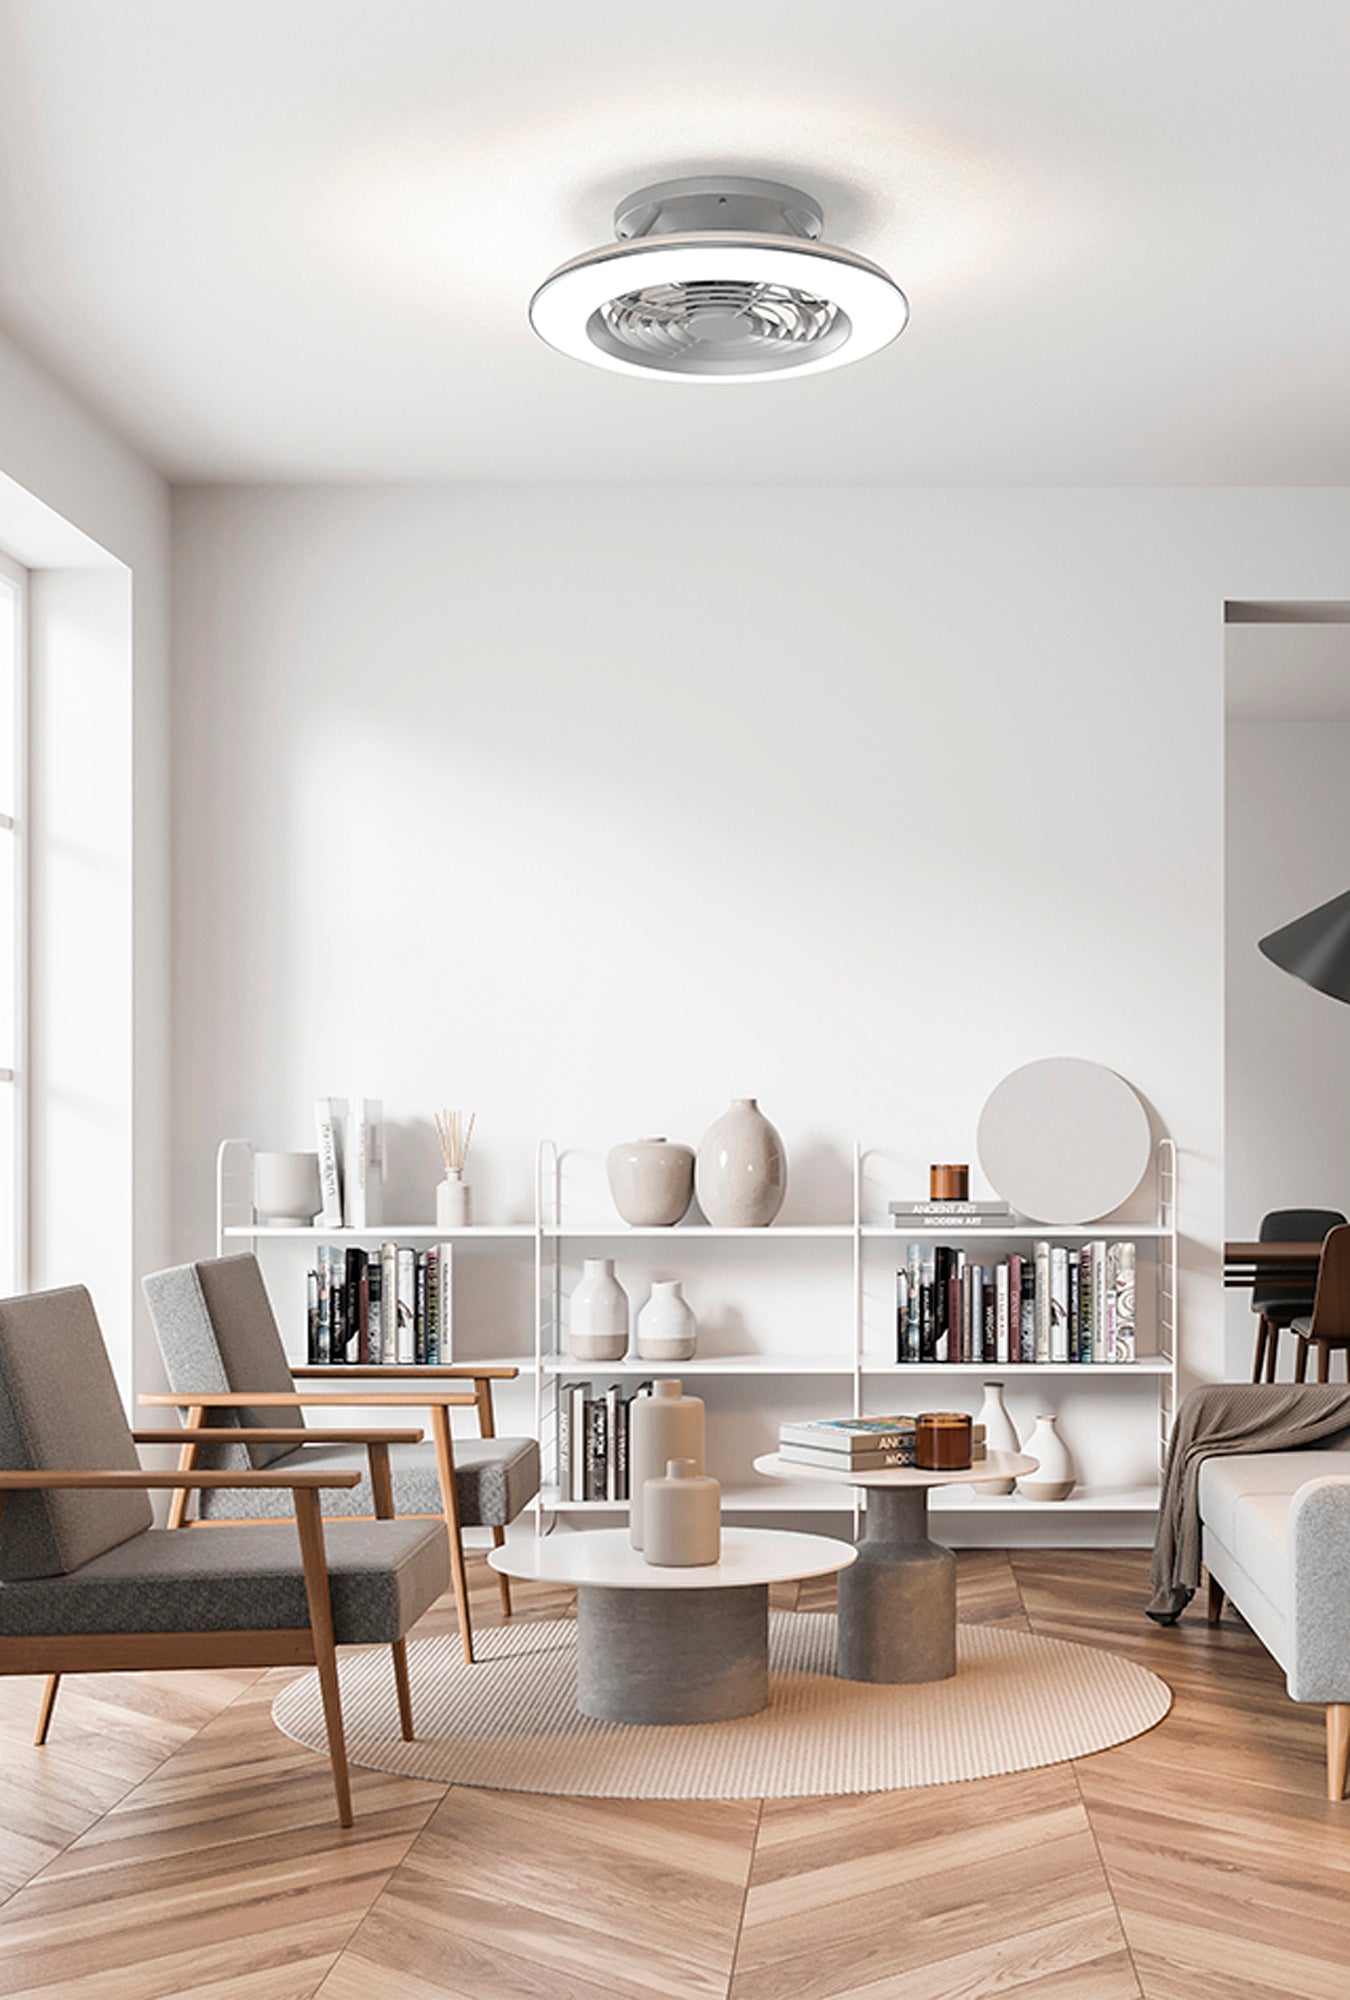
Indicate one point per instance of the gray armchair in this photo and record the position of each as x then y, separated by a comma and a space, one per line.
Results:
223, 1353
88, 1584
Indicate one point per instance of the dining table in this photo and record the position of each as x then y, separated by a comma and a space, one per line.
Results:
1247, 1264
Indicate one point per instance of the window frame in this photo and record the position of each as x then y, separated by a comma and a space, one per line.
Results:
18, 1079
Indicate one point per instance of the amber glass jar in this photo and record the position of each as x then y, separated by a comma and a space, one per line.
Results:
949, 1183
942, 1440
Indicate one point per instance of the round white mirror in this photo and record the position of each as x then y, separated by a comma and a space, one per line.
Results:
1064, 1140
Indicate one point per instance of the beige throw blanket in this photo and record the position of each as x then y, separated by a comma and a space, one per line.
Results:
1219, 1421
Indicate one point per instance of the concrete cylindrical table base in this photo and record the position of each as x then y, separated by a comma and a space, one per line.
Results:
897, 1605
672, 1655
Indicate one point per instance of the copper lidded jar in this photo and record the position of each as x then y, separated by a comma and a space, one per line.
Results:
942, 1441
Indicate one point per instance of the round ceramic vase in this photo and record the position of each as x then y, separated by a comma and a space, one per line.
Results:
286, 1189
597, 1320
651, 1180
1054, 1477
665, 1425
740, 1175
681, 1517
666, 1327
1000, 1433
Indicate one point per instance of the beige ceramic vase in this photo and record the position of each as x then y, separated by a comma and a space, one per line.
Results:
651, 1180
682, 1517
740, 1174
665, 1425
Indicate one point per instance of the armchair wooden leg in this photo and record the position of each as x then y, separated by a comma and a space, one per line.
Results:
187, 1462
1301, 1361
445, 1460
44, 1721
1338, 1748
309, 1521
1215, 1606
1262, 1340
503, 1581
1323, 1362
399, 1649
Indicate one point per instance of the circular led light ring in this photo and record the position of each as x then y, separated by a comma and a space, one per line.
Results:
561, 309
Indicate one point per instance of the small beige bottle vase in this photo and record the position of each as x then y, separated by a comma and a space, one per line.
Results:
681, 1518
665, 1425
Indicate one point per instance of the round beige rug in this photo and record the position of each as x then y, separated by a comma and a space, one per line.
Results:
510, 1723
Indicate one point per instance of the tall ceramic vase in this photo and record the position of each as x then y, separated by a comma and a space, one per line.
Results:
740, 1175
597, 1317
1000, 1433
1054, 1477
665, 1425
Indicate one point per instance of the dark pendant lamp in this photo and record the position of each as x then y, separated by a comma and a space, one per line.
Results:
1316, 948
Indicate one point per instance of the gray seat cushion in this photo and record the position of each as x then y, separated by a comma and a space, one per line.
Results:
495, 1478
60, 1412
382, 1576
216, 1332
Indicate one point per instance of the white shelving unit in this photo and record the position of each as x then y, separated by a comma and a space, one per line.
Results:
856, 1317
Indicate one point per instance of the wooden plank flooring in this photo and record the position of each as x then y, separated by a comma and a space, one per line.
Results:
169, 1842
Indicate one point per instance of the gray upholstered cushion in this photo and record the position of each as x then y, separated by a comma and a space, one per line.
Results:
216, 1332
495, 1479
60, 1411
382, 1576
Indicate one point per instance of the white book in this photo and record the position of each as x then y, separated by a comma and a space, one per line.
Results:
1043, 1301
406, 1346
363, 1164
1123, 1341
1059, 1303
445, 1303
389, 1303
1001, 1321
1099, 1302
576, 1419
329, 1113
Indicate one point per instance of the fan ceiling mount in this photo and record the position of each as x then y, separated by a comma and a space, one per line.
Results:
718, 278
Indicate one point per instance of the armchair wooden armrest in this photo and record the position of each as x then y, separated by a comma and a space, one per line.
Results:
466, 1371
294, 1399
34, 1482
233, 1435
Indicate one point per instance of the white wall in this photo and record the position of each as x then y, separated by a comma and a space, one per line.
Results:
100, 823
1287, 1047
593, 808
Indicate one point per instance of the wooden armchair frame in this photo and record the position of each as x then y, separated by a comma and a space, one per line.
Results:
436, 1403
313, 1645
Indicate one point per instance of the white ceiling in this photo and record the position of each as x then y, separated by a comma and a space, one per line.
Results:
1287, 672
293, 239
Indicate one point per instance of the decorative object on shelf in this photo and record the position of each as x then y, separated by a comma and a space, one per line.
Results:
1064, 1140
597, 1320
942, 1440
665, 1425
681, 1517
1054, 1477
454, 1201
651, 1180
666, 1327
286, 1191
949, 1183
740, 1174
999, 1430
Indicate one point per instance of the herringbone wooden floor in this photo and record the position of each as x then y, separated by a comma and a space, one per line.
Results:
169, 1842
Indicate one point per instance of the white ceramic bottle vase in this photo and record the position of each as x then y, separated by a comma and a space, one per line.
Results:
454, 1201
1054, 1477
665, 1425
681, 1517
597, 1315
740, 1175
1000, 1433
666, 1327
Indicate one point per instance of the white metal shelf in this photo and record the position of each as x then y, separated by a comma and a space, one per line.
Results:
421, 1232
1147, 1364
1122, 1232
782, 1498
696, 1232
772, 1365
759, 1499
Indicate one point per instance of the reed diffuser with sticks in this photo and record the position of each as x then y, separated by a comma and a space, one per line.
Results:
454, 1129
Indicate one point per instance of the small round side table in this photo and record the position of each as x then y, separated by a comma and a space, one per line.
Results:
897, 1605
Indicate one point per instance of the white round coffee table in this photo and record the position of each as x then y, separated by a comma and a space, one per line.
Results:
897, 1605
672, 1645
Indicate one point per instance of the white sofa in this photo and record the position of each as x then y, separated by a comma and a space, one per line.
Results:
1276, 1541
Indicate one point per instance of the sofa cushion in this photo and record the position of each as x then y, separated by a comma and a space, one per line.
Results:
495, 1479
216, 1332
1224, 1482
382, 1576
60, 1411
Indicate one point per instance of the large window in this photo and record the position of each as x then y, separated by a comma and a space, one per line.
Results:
13, 954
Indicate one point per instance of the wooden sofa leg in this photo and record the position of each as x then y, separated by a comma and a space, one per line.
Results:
399, 1649
309, 1521
445, 1460
1215, 1609
44, 1721
1338, 1748
503, 1580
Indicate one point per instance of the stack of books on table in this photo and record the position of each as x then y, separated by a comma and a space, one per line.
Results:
857, 1444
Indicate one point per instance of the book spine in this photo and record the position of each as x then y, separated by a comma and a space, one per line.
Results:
1002, 1316
1042, 1301
323, 1345
1015, 1262
577, 1421
613, 1400
833, 1461
927, 1321
312, 1318
388, 1303
595, 1448
375, 1293
913, 1341
326, 1131
564, 1427
1029, 1309
1124, 1345
406, 1352
1075, 1307
1059, 1303
1085, 1303
990, 1342
942, 1261
420, 1311
354, 1166
1099, 1302
434, 1306
356, 1268
619, 1446
967, 1280
902, 1315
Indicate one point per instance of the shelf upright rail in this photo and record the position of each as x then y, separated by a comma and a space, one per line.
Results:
234, 1189
547, 1172
1169, 1291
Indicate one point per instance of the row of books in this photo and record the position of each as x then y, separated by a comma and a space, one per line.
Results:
1061, 1303
350, 1141
374, 1308
593, 1439
858, 1444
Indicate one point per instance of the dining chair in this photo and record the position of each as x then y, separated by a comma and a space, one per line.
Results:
1280, 1301
1327, 1327
223, 1354
89, 1585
